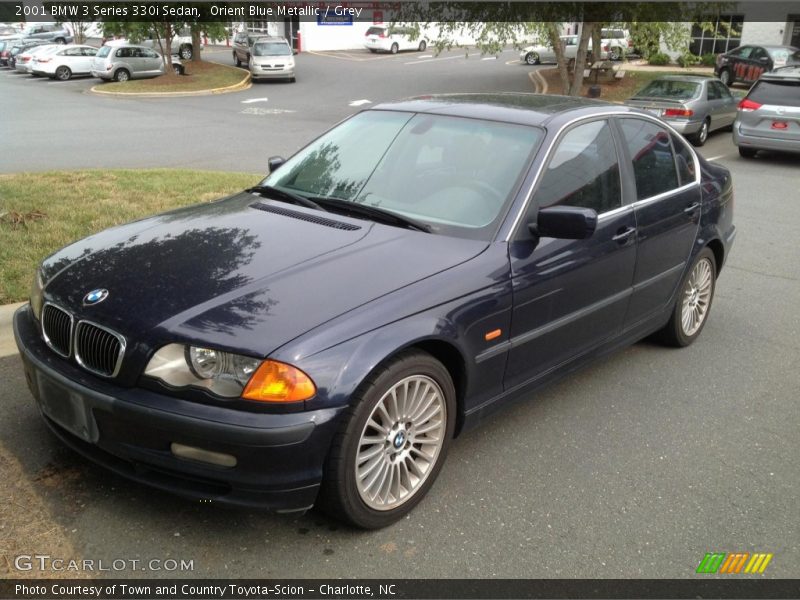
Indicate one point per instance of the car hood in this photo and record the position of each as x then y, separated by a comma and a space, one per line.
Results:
238, 277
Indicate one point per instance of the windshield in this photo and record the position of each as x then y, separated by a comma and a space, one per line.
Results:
271, 49
103, 51
670, 90
455, 174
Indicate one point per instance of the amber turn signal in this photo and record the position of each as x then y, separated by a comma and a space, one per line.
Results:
278, 382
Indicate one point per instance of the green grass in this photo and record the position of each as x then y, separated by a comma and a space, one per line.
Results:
78, 203
200, 76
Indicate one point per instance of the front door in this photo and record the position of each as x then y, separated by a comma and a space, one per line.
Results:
572, 295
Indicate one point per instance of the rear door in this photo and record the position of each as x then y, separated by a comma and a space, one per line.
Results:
152, 60
778, 116
727, 111
750, 68
84, 63
667, 211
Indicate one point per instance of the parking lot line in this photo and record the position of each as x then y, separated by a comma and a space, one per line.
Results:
430, 60
351, 57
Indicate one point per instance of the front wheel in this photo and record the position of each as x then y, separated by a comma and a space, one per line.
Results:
392, 442
394, 49
186, 52
236, 60
532, 58
694, 302
725, 77
63, 73
615, 54
422, 46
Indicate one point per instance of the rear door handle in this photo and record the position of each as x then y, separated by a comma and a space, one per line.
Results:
691, 208
623, 234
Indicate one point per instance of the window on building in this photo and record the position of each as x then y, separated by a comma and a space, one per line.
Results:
725, 35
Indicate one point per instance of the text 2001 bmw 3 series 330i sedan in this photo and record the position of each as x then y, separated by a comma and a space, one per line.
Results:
322, 337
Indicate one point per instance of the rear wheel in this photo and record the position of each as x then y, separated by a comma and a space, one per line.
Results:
699, 138
122, 75
694, 302
236, 60
725, 77
747, 152
392, 442
615, 54
532, 58
186, 52
394, 48
422, 46
63, 73
60, 41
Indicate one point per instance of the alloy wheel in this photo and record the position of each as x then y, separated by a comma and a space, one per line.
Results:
401, 442
697, 297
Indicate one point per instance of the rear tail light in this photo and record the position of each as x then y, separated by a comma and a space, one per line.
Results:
678, 112
748, 105
630, 43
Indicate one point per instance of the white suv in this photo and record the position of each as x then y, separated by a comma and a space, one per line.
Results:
392, 39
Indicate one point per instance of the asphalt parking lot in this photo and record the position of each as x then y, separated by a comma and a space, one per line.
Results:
634, 467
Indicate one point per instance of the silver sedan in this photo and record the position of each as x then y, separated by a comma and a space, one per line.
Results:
693, 105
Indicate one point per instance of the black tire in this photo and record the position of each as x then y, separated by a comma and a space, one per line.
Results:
177, 69
725, 77
422, 45
373, 50
60, 41
615, 54
747, 152
122, 75
571, 64
674, 333
292, 79
701, 137
339, 495
63, 73
394, 49
531, 58
236, 60
186, 52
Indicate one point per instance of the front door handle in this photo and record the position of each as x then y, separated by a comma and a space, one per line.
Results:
623, 234
691, 208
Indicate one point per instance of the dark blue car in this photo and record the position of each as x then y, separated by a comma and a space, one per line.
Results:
322, 337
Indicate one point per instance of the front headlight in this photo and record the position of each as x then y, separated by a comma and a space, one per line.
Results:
230, 375
36, 294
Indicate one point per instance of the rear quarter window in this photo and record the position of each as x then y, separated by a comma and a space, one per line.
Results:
781, 93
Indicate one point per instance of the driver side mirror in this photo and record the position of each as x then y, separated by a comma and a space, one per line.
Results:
564, 222
274, 163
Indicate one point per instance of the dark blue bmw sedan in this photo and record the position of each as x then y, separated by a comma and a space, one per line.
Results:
322, 337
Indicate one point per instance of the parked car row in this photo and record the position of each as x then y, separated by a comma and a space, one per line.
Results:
118, 62
615, 44
267, 57
768, 118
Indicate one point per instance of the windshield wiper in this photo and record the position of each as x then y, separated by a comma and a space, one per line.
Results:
283, 196
375, 213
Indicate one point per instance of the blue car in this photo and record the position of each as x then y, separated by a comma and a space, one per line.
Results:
321, 338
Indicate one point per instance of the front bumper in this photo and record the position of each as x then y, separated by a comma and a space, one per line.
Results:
279, 457
259, 73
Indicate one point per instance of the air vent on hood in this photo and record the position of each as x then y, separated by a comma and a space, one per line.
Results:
278, 210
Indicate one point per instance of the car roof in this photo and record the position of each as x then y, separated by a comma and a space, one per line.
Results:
524, 109
789, 72
691, 78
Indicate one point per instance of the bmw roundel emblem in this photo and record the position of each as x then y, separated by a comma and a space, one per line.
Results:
95, 297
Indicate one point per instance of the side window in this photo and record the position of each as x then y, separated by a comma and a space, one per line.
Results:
89, 51
685, 160
149, 53
651, 152
583, 170
758, 54
722, 90
743, 52
713, 92
123, 53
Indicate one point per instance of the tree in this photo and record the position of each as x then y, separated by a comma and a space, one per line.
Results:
495, 25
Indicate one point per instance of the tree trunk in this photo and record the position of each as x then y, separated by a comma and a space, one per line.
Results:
561, 59
596, 43
197, 42
580, 59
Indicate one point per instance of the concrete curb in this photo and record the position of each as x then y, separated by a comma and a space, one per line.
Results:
244, 84
7, 345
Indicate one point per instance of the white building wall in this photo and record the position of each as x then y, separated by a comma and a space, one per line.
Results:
758, 32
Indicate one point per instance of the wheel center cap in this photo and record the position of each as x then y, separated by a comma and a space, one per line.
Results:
399, 439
